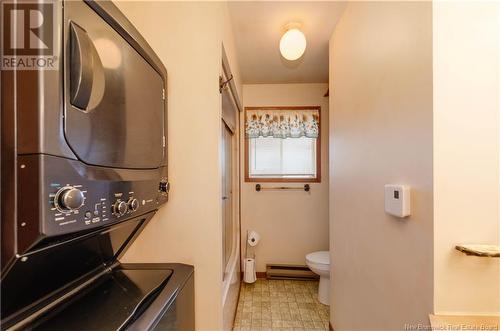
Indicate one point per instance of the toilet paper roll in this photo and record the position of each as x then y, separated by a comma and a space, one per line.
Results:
250, 274
253, 238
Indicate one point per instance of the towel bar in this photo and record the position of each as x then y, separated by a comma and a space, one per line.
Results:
306, 188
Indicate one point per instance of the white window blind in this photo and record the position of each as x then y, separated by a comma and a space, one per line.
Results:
282, 158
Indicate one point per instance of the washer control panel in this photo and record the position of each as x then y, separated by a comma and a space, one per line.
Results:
74, 202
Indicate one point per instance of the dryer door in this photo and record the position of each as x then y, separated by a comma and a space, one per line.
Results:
114, 98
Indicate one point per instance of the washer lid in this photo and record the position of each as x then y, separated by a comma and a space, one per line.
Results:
321, 257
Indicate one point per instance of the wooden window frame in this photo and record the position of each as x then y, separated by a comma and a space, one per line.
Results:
316, 179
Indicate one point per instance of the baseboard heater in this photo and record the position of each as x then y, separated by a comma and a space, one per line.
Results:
289, 271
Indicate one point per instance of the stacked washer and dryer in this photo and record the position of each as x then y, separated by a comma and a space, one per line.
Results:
84, 168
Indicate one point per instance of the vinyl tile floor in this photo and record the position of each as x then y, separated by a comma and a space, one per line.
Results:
280, 305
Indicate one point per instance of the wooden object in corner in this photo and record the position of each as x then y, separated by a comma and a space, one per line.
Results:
458, 322
480, 250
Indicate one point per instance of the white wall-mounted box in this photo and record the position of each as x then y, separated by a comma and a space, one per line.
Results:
397, 200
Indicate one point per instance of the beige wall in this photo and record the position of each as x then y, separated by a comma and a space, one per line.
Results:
466, 155
291, 223
188, 37
381, 132
228, 40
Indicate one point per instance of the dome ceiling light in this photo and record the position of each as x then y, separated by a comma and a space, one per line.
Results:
293, 42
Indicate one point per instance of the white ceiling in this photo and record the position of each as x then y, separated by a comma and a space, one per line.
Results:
258, 27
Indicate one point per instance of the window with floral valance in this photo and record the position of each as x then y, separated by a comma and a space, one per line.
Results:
282, 144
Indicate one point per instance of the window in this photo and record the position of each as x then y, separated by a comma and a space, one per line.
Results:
279, 157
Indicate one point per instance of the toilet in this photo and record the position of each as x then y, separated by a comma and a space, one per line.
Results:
319, 263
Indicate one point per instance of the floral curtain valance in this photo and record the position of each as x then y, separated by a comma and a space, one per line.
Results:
282, 123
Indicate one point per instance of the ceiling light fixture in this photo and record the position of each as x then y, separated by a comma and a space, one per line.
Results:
293, 42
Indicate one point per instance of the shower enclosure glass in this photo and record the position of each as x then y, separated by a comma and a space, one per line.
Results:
229, 206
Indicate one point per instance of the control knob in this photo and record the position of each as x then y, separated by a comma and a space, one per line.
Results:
120, 208
133, 204
69, 198
164, 186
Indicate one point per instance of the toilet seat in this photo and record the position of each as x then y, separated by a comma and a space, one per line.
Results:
319, 260
321, 257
